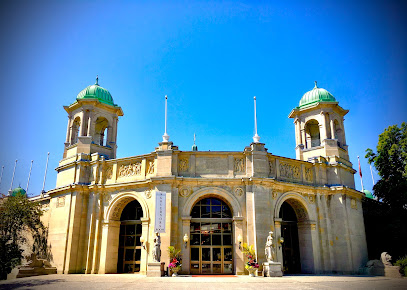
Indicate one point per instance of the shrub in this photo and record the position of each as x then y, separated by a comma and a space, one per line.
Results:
402, 263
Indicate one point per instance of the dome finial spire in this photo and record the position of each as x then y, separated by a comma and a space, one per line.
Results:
97, 80
315, 85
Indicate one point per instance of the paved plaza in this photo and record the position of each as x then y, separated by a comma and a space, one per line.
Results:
131, 281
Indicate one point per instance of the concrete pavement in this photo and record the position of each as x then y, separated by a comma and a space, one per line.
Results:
134, 281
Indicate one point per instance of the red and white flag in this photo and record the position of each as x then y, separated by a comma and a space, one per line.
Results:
360, 170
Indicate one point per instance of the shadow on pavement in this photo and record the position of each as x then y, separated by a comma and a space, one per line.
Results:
15, 284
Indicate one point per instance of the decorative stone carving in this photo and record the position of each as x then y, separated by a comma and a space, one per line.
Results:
150, 167
130, 169
274, 194
109, 172
271, 268
239, 191
106, 198
313, 227
239, 165
272, 167
185, 191
311, 198
183, 164
385, 259
353, 203
60, 201
157, 248
117, 211
148, 193
290, 171
308, 174
35, 267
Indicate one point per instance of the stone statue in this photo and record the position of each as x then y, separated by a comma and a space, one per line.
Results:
385, 259
269, 249
157, 248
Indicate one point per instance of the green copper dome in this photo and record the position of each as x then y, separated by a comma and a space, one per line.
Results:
18, 191
96, 92
316, 95
368, 194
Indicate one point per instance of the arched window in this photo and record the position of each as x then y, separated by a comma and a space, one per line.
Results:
100, 131
76, 126
312, 133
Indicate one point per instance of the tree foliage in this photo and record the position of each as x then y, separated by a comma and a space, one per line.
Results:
19, 218
390, 161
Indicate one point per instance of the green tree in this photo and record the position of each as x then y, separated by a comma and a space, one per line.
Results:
390, 161
19, 218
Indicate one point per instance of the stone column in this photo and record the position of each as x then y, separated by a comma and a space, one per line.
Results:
277, 235
90, 117
304, 139
185, 250
144, 251
109, 247
332, 128
323, 128
68, 131
238, 259
298, 131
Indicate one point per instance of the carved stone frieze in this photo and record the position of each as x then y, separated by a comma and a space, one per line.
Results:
109, 172
239, 165
130, 169
290, 171
183, 164
308, 174
150, 167
117, 211
60, 201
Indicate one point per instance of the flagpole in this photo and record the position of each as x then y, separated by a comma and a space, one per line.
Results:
166, 138
256, 138
1, 176
12, 179
360, 174
29, 175
45, 176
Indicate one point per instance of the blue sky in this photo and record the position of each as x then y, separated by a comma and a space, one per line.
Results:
210, 58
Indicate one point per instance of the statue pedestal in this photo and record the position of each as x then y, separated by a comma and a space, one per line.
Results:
272, 269
155, 269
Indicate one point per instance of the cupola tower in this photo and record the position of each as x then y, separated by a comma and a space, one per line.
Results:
92, 123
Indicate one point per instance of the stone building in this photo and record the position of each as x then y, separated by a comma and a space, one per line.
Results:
102, 213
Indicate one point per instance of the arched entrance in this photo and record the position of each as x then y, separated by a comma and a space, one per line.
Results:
290, 247
295, 222
211, 237
129, 256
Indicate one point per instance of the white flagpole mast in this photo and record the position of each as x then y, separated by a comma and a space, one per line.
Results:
45, 176
29, 175
256, 138
12, 179
1, 176
166, 137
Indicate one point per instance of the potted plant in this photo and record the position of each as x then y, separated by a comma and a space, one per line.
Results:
175, 260
251, 265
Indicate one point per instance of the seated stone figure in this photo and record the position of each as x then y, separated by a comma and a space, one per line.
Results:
35, 267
